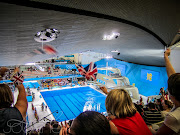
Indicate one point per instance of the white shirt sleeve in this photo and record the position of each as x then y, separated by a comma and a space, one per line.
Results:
171, 122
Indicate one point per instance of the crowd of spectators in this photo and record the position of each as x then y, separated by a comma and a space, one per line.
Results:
52, 71
124, 117
49, 83
50, 128
155, 110
88, 122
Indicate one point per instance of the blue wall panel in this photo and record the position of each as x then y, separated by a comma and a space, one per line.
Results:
135, 75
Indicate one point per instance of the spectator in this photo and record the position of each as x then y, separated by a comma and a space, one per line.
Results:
12, 119
42, 106
34, 132
152, 115
3, 71
159, 105
139, 109
164, 95
141, 101
88, 123
48, 124
46, 107
167, 106
171, 125
55, 127
123, 113
45, 131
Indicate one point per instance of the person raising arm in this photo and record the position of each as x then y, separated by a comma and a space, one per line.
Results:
21, 103
171, 125
12, 119
104, 89
169, 68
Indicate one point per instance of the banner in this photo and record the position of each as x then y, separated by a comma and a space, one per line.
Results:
149, 76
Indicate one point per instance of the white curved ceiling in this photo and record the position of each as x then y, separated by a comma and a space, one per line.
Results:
143, 34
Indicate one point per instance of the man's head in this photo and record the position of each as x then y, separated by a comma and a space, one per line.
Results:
174, 86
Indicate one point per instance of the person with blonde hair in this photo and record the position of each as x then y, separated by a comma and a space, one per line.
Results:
123, 114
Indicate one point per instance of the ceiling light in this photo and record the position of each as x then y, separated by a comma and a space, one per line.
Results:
38, 34
46, 35
111, 37
108, 57
30, 64
115, 51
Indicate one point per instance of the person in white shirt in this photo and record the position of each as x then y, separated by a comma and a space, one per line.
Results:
171, 125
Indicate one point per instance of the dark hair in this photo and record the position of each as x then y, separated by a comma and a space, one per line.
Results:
168, 103
174, 85
6, 96
45, 131
151, 106
34, 132
91, 123
47, 124
54, 124
159, 106
139, 108
158, 100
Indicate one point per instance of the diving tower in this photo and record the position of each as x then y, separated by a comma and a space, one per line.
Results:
112, 79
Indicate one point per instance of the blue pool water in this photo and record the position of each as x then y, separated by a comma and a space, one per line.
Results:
71, 102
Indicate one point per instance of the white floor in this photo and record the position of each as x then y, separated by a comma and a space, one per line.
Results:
37, 103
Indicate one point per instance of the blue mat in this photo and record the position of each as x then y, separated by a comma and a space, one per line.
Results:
28, 84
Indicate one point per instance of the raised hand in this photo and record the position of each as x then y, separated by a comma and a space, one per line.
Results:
169, 68
167, 52
104, 89
16, 69
3, 70
64, 129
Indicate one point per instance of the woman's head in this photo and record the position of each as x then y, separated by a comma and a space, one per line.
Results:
90, 123
174, 86
119, 103
167, 105
6, 96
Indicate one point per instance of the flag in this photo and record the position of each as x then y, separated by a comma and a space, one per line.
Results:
39, 51
49, 49
17, 78
89, 72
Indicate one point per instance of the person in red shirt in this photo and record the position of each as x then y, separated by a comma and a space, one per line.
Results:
123, 114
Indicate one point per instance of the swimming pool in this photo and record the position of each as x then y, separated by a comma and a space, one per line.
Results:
71, 102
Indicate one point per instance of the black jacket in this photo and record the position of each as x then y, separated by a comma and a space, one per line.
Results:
11, 121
